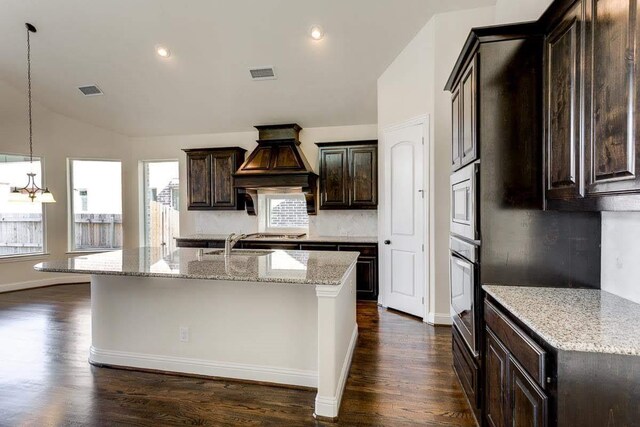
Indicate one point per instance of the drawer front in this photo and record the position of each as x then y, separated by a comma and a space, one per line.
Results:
318, 247
266, 245
364, 250
191, 243
463, 202
529, 354
465, 367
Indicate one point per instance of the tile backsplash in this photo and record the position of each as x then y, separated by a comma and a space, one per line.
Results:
344, 223
326, 223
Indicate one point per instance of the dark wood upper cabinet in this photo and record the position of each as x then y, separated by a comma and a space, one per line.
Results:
363, 176
469, 148
199, 180
456, 158
464, 148
563, 85
592, 150
210, 178
348, 175
612, 98
334, 178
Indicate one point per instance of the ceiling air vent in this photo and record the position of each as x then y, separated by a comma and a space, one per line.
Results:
263, 73
91, 90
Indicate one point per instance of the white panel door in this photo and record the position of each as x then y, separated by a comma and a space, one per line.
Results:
404, 222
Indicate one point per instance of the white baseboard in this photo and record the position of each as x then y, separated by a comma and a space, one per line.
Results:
330, 406
439, 319
208, 368
61, 280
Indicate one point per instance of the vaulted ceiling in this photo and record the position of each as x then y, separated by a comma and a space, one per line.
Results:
205, 86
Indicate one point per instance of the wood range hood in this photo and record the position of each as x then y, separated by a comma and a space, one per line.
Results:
277, 164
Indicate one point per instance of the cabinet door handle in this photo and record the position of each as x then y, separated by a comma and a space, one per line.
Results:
387, 242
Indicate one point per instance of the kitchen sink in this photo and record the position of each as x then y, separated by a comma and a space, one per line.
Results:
242, 252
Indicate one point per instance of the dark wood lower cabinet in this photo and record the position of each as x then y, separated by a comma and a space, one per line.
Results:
512, 397
527, 402
496, 359
366, 268
366, 277
574, 388
467, 369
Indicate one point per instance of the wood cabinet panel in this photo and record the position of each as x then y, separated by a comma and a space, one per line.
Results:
469, 147
366, 269
210, 183
367, 277
223, 192
334, 178
527, 402
563, 85
591, 107
613, 36
466, 369
496, 382
370, 250
456, 159
530, 354
199, 176
348, 175
363, 175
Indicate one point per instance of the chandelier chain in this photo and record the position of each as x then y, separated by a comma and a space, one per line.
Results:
29, 91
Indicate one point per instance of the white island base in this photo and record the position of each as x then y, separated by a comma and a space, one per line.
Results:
296, 334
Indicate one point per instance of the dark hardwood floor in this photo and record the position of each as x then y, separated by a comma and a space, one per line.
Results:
401, 376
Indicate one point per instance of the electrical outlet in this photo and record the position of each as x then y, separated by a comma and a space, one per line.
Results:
184, 334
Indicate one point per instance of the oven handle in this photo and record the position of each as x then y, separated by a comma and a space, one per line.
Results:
461, 262
459, 258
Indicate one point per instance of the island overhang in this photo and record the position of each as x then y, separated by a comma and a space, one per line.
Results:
286, 317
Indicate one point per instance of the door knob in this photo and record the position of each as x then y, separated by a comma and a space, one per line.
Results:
387, 242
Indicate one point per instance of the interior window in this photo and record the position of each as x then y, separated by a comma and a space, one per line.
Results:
284, 213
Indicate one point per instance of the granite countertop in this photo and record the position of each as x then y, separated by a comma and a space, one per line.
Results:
318, 239
575, 319
296, 267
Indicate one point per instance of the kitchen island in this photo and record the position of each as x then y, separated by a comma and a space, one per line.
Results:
286, 317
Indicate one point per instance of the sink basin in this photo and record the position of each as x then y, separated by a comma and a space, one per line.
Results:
242, 252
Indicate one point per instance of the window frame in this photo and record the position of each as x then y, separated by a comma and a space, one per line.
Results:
45, 248
265, 215
71, 249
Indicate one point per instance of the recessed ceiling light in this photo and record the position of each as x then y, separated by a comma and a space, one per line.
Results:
162, 51
316, 32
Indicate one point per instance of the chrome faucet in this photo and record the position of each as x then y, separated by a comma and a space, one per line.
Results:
231, 241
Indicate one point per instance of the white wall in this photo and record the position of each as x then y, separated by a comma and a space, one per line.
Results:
413, 85
620, 254
508, 11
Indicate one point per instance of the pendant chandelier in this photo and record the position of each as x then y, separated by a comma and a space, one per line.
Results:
30, 192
